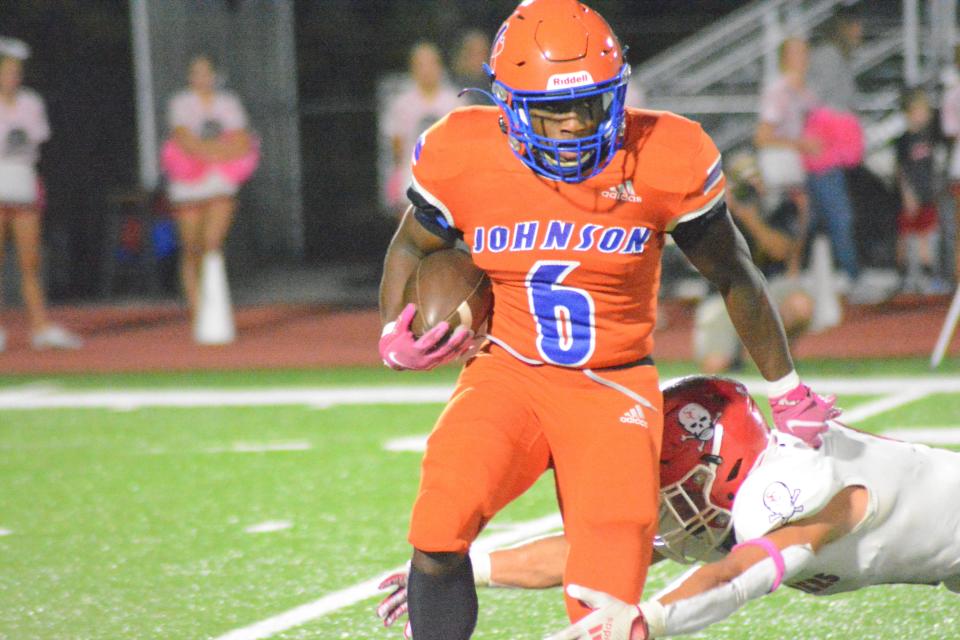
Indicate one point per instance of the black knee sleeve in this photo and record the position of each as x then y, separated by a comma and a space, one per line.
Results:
443, 606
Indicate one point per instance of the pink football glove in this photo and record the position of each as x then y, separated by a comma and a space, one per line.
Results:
804, 414
394, 606
401, 350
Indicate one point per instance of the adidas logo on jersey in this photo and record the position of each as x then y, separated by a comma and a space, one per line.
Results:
634, 416
622, 192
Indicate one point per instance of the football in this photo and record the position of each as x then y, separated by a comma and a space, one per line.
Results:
447, 286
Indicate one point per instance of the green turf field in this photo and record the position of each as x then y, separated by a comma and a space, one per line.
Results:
193, 506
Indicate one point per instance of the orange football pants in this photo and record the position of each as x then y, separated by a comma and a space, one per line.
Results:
503, 427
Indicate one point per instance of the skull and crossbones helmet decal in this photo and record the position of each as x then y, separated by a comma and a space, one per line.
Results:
713, 433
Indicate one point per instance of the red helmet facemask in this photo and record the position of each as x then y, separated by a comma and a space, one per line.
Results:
713, 434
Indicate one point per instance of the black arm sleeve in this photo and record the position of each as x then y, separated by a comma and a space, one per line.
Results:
432, 219
688, 234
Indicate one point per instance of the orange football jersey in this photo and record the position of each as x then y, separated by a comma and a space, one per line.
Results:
575, 267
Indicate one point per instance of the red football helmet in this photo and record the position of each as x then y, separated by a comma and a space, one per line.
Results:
713, 434
553, 55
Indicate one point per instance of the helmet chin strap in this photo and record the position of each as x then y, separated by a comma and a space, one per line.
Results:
482, 92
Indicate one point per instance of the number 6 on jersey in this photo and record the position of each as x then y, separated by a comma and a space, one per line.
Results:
566, 334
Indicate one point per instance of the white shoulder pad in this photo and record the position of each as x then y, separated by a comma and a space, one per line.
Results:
792, 482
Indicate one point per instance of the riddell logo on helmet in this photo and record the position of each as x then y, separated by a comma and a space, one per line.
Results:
567, 80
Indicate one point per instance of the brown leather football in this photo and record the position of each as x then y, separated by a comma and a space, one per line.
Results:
446, 285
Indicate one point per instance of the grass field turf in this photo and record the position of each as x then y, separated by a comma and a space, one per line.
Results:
133, 524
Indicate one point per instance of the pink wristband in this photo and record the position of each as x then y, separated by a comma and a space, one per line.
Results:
773, 552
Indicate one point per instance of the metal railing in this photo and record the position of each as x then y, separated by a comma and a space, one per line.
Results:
717, 74
740, 40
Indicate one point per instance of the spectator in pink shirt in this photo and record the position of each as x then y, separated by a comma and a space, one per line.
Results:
23, 128
210, 154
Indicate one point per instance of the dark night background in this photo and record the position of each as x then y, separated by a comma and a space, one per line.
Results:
82, 65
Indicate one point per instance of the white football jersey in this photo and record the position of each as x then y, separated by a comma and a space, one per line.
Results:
910, 533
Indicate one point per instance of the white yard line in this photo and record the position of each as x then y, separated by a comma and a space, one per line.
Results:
881, 405
262, 447
33, 389
866, 385
368, 588
125, 400
926, 435
50, 397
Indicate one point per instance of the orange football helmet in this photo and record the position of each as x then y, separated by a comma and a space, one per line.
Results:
713, 434
553, 55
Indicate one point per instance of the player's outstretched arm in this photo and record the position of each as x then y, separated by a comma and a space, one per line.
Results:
718, 250
537, 564
753, 569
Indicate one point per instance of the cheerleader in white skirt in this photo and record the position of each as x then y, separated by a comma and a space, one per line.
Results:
23, 128
209, 154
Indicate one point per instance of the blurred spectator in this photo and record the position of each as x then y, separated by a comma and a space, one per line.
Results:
472, 53
776, 238
917, 223
23, 128
832, 79
950, 124
784, 104
209, 155
832, 76
412, 112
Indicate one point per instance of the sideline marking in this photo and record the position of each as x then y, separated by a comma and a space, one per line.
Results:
368, 588
47, 397
5, 532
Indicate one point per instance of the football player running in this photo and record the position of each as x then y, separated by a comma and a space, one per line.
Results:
564, 197
763, 509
